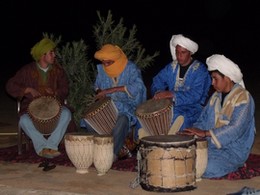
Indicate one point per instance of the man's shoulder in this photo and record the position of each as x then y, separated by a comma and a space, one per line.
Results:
28, 66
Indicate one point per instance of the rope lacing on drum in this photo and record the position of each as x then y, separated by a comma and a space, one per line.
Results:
136, 181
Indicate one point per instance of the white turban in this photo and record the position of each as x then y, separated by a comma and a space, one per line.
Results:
183, 42
226, 67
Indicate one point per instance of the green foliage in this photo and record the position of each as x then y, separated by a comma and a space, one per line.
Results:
81, 74
73, 56
107, 31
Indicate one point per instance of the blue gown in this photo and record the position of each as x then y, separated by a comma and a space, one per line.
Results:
190, 92
131, 78
233, 126
125, 102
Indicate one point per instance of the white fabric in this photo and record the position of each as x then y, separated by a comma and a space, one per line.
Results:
226, 67
183, 42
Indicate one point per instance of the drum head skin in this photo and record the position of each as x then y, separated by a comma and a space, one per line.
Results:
153, 106
44, 108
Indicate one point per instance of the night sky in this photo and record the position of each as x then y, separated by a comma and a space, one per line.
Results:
229, 27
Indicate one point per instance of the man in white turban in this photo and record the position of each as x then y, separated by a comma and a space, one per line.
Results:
183, 42
227, 121
184, 80
226, 67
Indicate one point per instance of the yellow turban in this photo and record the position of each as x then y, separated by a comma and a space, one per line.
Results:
41, 48
112, 52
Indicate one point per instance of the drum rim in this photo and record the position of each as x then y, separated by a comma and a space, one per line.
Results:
167, 142
105, 102
57, 115
155, 113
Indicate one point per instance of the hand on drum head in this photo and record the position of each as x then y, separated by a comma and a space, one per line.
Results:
49, 91
163, 95
32, 91
192, 131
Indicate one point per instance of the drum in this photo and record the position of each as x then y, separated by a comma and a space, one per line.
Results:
201, 157
102, 116
45, 112
155, 116
103, 153
167, 163
80, 149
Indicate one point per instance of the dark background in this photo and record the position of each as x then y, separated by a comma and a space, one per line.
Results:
229, 27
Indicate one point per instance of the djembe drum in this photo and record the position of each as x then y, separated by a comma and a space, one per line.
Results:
102, 116
155, 116
103, 153
167, 163
201, 157
45, 112
80, 150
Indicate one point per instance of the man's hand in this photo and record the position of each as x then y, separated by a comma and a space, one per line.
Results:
163, 95
193, 131
32, 91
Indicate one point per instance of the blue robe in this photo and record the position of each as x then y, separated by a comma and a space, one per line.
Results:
232, 128
131, 78
190, 93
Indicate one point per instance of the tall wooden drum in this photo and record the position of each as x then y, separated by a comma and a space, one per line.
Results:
167, 163
45, 112
102, 116
155, 116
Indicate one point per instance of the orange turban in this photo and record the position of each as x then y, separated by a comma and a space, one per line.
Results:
112, 52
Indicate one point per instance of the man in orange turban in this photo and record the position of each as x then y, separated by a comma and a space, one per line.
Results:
120, 79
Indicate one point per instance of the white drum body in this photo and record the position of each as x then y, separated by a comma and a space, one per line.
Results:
201, 157
80, 148
103, 153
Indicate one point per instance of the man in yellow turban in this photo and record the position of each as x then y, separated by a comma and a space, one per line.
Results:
120, 79
42, 77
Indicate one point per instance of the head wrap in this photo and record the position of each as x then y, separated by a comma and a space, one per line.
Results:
183, 42
112, 52
41, 48
226, 67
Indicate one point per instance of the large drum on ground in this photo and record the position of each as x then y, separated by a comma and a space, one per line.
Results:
102, 116
103, 153
167, 163
80, 150
155, 116
45, 113
201, 157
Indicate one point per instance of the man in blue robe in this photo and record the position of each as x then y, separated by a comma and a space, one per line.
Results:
185, 80
120, 79
227, 121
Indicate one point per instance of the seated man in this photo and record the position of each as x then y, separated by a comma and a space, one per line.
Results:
43, 77
227, 121
185, 81
121, 80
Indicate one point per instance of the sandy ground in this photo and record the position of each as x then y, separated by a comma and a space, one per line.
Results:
29, 179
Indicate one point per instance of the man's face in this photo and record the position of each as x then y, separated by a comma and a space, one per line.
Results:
49, 57
220, 82
183, 55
